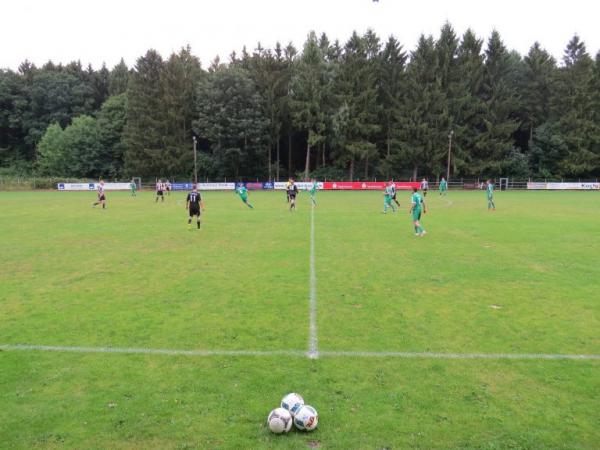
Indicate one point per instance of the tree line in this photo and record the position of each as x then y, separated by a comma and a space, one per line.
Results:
363, 109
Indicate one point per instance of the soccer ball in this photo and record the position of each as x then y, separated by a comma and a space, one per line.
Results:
306, 418
279, 421
292, 402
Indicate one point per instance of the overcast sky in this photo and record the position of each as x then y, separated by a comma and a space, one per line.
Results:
104, 31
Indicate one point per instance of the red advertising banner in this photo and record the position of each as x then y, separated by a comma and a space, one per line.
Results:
367, 185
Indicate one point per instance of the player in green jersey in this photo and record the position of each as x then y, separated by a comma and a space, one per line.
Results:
133, 187
388, 195
490, 195
417, 206
313, 192
443, 186
243, 193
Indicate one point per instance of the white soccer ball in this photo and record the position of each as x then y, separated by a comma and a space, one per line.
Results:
279, 421
306, 418
292, 402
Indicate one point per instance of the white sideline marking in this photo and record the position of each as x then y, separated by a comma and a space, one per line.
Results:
298, 353
313, 351
435, 355
152, 351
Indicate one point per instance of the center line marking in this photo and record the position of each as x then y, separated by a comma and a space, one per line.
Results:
313, 349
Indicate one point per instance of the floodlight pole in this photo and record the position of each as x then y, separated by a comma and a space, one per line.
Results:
449, 151
195, 169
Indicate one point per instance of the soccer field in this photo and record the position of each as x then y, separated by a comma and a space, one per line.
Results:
121, 328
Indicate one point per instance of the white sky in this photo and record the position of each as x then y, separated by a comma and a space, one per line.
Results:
106, 30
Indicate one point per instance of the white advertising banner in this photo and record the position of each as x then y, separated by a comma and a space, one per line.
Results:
92, 186
564, 186
302, 186
216, 186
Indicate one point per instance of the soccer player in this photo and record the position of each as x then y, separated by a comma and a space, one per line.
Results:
394, 194
133, 187
243, 193
313, 192
292, 193
287, 189
159, 191
443, 186
424, 187
101, 196
193, 204
490, 195
417, 206
387, 198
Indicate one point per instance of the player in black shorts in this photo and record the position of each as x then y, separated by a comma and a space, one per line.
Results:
292, 191
101, 196
394, 199
193, 204
159, 191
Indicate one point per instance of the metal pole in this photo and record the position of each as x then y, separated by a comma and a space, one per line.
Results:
449, 150
195, 169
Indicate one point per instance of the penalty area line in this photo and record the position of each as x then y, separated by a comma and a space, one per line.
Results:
300, 353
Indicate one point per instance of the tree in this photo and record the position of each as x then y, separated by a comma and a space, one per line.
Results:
118, 79
357, 89
424, 124
179, 79
536, 90
500, 103
230, 117
111, 122
145, 131
51, 152
308, 91
392, 85
574, 109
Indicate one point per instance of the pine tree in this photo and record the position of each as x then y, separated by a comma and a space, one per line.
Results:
500, 101
392, 86
118, 79
357, 89
423, 125
179, 79
145, 131
308, 91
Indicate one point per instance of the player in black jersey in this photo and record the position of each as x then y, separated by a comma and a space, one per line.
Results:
193, 204
292, 191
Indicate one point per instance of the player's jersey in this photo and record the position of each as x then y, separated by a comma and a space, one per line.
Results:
424, 185
159, 187
194, 198
443, 184
292, 190
490, 190
389, 191
100, 190
393, 190
416, 200
313, 189
242, 191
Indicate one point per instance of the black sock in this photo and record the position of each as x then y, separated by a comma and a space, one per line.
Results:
198, 223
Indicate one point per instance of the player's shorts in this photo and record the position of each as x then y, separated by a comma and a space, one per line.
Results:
244, 198
416, 214
194, 211
292, 196
159, 192
102, 198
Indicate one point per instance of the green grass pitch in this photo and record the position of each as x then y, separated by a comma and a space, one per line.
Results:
522, 280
